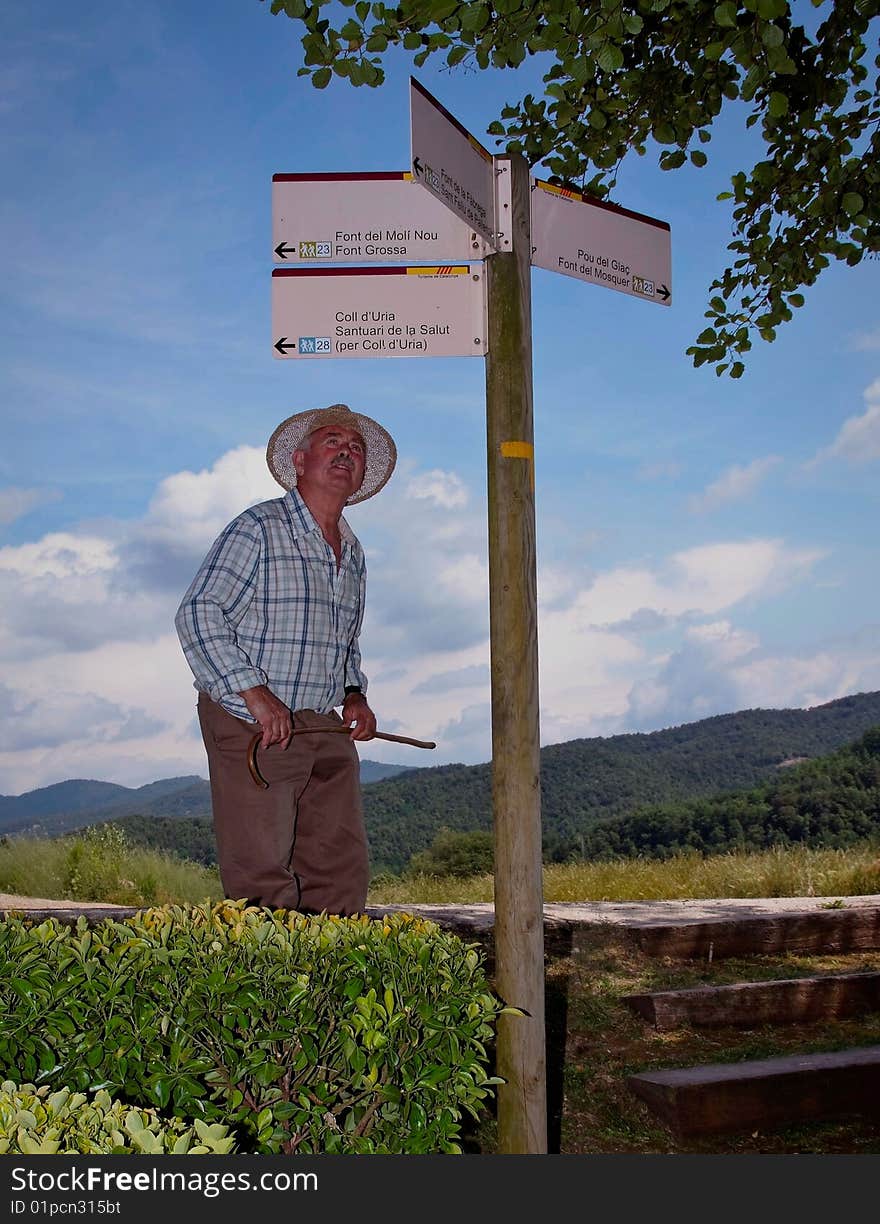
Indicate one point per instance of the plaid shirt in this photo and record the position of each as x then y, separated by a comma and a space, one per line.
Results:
269, 607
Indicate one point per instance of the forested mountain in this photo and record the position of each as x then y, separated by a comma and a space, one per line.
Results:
79, 802
186, 837
833, 801
588, 780
583, 782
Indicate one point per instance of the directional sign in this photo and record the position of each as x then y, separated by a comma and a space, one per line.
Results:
601, 243
451, 163
358, 218
379, 312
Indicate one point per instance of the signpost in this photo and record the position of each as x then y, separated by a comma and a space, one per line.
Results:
362, 218
379, 312
489, 208
601, 243
452, 165
513, 636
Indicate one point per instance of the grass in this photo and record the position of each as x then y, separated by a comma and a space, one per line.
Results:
783, 872
98, 864
604, 1042
594, 1040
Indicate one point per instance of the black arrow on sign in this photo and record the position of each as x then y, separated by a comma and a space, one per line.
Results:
283, 250
664, 292
283, 344
417, 166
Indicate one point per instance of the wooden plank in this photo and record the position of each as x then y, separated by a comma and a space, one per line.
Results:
820, 932
69, 917
764, 1093
516, 760
751, 1004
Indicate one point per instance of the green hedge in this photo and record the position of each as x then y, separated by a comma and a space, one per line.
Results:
307, 1034
38, 1122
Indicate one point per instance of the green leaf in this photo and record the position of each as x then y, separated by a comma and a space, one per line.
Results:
321, 78
852, 203
610, 58
475, 17
778, 105
725, 14
698, 157
772, 36
671, 161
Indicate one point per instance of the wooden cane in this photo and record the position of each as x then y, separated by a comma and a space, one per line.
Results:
260, 781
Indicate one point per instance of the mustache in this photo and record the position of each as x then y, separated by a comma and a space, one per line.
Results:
341, 462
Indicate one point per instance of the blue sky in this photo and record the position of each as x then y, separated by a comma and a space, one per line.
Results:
703, 545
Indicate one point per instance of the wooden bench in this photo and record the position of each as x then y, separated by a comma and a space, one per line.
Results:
818, 932
751, 1004
763, 1093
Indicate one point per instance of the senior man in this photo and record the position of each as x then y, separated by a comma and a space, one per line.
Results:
270, 628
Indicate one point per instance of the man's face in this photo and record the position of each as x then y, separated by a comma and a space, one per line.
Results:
333, 459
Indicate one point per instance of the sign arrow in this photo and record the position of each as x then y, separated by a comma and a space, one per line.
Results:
283, 344
283, 250
417, 167
664, 292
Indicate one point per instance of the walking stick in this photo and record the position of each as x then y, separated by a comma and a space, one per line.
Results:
260, 781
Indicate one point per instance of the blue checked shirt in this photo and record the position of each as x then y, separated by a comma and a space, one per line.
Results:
269, 607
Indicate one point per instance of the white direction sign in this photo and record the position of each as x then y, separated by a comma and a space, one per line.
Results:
601, 243
379, 312
452, 163
357, 218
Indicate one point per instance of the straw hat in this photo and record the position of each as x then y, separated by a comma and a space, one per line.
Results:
290, 435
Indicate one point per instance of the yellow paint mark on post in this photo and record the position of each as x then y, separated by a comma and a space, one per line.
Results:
521, 450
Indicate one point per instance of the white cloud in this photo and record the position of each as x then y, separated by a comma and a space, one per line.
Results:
702, 581
858, 440
867, 341
59, 555
443, 489
477, 675
733, 485
720, 669
62, 718
16, 502
93, 663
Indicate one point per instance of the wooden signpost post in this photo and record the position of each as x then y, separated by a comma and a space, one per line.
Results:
496, 214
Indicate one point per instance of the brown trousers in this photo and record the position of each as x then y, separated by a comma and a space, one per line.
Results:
301, 844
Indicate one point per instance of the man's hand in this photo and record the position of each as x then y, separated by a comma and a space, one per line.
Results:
273, 715
358, 715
